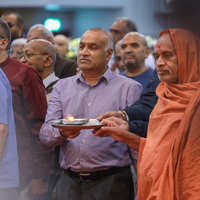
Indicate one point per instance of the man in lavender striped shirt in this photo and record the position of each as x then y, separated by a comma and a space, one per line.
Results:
94, 168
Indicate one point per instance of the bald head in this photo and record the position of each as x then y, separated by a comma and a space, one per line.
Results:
38, 31
61, 44
138, 36
134, 50
44, 47
107, 37
41, 55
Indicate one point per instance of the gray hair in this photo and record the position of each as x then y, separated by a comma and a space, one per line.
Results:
110, 40
44, 31
19, 41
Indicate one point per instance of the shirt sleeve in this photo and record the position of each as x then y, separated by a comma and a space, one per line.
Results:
141, 109
48, 134
3, 102
138, 128
135, 89
35, 105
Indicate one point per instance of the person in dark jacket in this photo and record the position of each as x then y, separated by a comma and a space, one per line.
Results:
139, 112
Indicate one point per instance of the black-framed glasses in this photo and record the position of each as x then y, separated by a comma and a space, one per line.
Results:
29, 55
2, 36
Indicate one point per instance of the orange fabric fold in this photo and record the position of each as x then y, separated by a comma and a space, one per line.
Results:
169, 159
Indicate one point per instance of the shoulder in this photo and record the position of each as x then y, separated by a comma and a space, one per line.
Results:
65, 82
123, 79
65, 61
20, 67
4, 83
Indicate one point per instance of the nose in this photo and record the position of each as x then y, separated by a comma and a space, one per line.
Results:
127, 49
84, 51
159, 62
23, 60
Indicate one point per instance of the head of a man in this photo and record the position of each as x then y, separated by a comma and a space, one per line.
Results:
166, 59
134, 50
95, 50
15, 23
38, 31
16, 48
120, 27
41, 55
118, 56
61, 45
5, 37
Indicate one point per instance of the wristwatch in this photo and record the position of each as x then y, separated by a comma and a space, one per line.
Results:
123, 115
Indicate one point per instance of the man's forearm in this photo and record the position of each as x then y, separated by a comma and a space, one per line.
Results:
3, 139
131, 140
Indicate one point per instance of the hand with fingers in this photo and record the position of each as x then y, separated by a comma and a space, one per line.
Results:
110, 114
70, 133
112, 125
118, 130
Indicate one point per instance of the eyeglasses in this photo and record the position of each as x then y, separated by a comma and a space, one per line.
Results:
2, 36
28, 55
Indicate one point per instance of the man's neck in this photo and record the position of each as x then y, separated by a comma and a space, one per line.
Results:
3, 56
92, 77
45, 74
135, 71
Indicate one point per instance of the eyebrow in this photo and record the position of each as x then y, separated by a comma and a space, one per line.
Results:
90, 43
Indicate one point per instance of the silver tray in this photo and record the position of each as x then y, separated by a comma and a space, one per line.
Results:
75, 121
60, 123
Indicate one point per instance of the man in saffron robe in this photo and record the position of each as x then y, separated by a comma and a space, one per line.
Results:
169, 158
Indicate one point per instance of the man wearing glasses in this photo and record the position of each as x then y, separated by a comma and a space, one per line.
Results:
41, 55
29, 106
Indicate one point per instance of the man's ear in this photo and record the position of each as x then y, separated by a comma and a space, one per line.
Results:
147, 52
21, 26
4, 43
109, 53
48, 60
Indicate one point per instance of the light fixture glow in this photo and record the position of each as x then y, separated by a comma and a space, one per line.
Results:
53, 24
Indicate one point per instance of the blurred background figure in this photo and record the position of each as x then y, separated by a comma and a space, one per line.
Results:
15, 23
61, 45
118, 65
120, 27
63, 67
43, 64
16, 48
134, 51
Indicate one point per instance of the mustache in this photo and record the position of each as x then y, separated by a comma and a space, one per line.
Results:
128, 54
84, 57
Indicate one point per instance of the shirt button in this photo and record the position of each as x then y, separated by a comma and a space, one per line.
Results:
83, 141
88, 104
83, 160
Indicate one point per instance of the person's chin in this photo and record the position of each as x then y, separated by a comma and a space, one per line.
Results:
84, 67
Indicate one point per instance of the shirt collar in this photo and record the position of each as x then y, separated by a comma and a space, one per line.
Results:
106, 76
5, 62
49, 79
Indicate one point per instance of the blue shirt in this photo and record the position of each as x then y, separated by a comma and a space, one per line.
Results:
9, 175
143, 78
77, 97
